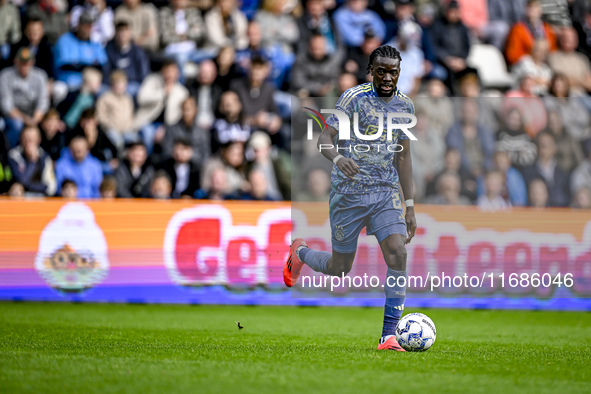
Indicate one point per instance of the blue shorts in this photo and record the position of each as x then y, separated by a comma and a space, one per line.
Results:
380, 212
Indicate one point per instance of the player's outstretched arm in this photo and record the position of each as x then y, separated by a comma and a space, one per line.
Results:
404, 167
345, 165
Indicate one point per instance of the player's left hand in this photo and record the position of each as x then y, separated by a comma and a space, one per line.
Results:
411, 223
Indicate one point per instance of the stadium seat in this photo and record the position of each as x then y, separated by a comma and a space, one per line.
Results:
491, 66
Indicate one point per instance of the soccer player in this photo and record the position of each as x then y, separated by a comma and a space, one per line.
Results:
365, 189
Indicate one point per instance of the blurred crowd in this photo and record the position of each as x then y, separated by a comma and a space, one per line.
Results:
192, 98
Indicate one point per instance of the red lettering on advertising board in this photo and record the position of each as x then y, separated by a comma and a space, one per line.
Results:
192, 238
241, 261
518, 259
446, 256
482, 260
277, 249
552, 261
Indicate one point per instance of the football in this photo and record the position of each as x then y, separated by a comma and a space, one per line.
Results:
416, 332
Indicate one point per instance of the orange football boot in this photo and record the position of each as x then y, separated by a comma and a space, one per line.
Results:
390, 344
293, 265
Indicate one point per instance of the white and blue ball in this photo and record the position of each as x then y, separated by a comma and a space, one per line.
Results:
416, 332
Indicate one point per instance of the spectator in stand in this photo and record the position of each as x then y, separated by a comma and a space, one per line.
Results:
275, 165
34, 39
142, 21
316, 20
576, 118
217, 186
538, 193
409, 81
313, 74
279, 64
135, 173
69, 189
108, 188
183, 173
452, 43
514, 140
10, 27
448, 191
123, 54
492, 198
428, 156
279, 34
318, 187
182, 31
503, 14
31, 166
345, 82
353, 20
404, 13
24, 98
231, 159
426, 13
258, 184
453, 164
578, 10
488, 102
79, 100
103, 27
278, 25
227, 69
473, 139
547, 169
161, 187
356, 59
569, 152
77, 165
582, 199
186, 128
159, 102
230, 124
6, 178
474, 14
99, 143
74, 51
16, 191
436, 106
583, 29
490, 20
574, 65
226, 26
581, 176
256, 95
514, 184
114, 111
207, 93
531, 106
536, 67
53, 136
558, 12
249, 7
55, 20
524, 33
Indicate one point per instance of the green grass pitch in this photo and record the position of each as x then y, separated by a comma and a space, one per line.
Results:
79, 348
